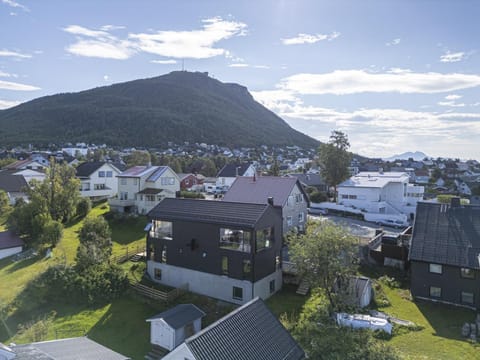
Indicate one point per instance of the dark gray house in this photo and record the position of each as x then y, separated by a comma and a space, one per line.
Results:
250, 332
310, 180
445, 253
226, 250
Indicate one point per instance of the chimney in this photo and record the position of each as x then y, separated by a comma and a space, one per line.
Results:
455, 202
270, 200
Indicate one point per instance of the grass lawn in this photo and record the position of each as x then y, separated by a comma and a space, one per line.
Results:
440, 337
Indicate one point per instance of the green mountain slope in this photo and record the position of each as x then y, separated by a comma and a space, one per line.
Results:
180, 106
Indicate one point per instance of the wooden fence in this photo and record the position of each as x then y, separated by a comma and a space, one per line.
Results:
166, 296
128, 253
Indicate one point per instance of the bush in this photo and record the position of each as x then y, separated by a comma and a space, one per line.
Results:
83, 207
191, 195
318, 197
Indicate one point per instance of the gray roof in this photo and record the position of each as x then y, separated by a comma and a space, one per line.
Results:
258, 189
446, 235
80, 348
180, 315
208, 211
88, 168
309, 179
250, 332
12, 183
233, 170
9, 240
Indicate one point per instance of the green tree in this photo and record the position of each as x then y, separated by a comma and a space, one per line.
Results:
275, 169
95, 243
51, 233
209, 169
335, 159
4, 202
326, 252
83, 207
137, 158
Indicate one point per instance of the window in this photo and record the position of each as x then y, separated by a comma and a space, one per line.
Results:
290, 200
435, 291
301, 217
101, 174
467, 273
167, 181
298, 198
264, 238
467, 297
344, 196
352, 197
164, 254
278, 262
272, 286
150, 197
225, 265
99, 186
109, 174
235, 239
237, 293
247, 269
435, 268
123, 181
124, 195
135, 181
158, 274
289, 221
161, 229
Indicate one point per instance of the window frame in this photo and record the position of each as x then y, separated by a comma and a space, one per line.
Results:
157, 273
267, 242
431, 267
435, 288
464, 275
462, 299
272, 286
235, 296
101, 174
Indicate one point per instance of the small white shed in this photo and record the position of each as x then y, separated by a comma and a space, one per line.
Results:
170, 328
358, 290
10, 244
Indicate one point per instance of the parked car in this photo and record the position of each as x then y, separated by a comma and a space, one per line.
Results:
317, 211
392, 223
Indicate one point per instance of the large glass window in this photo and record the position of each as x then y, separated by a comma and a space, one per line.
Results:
435, 291
264, 238
467, 297
234, 239
435, 268
467, 273
161, 229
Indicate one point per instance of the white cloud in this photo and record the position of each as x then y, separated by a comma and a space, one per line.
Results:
450, 104
164, 62
341, 82
452, 57
393, 42
5, 104
8, 85
453, 97
5, 74
15, 4
310, 38
8, 53
197, 44
245, 65
105, 77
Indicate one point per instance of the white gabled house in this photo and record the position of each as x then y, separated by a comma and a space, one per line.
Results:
227, 175
98, 179
141, 188
385, 193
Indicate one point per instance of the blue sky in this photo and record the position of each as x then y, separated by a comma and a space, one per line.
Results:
394, 75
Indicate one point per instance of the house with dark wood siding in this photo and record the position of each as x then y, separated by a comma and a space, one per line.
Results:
226, 250
445, 253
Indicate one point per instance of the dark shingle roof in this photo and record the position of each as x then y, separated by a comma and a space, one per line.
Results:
230, 170
257, 190
12, 183
81, 348
88, 168
250, 332
309, 179
208, 211
9, 240
180, 315
447, 235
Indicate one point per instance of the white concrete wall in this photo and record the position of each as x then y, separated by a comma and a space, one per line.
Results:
162, 334
9, 252
216, 286
180, 353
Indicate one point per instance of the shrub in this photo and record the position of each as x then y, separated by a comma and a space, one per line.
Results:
83, 207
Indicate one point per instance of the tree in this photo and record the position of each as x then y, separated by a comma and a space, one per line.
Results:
51, 233
83, 207
138, 158
95, 243
335, 159
327, 252
4, 202
209, 169
275, 169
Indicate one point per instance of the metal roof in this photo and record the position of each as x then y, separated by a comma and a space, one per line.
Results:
180, 315
209, 211
157, 174
233, 170
12, 183
9, 240
446, 235
250, 332
138, 171
374, 179
80, 348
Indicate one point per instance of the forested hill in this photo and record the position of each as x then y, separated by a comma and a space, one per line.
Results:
180, 106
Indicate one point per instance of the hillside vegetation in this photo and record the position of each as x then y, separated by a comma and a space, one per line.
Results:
180, 106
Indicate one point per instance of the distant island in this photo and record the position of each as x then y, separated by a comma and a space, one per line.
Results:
417, 156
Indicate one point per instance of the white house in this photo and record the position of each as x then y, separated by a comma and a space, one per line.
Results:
227, 175
10, 244
14, 185
140, 188
98, 179
170, 328
385, 193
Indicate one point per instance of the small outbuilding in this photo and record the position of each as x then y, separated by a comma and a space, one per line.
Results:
170, 328
358, 290
10, 244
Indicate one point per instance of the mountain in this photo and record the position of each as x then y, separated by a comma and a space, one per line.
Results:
417, 156
179, 106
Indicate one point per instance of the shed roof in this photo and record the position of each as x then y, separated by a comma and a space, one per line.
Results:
250, 332
9, 240
446, 234
209, 211
180, 315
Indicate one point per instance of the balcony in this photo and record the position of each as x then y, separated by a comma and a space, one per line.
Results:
116, 202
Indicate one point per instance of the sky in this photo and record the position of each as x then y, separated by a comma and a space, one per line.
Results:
395, 76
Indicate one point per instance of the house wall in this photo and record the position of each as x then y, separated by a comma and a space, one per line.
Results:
188, 182
110, 183
450, 281
293, 209
162, 334
169, 191
9, 252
